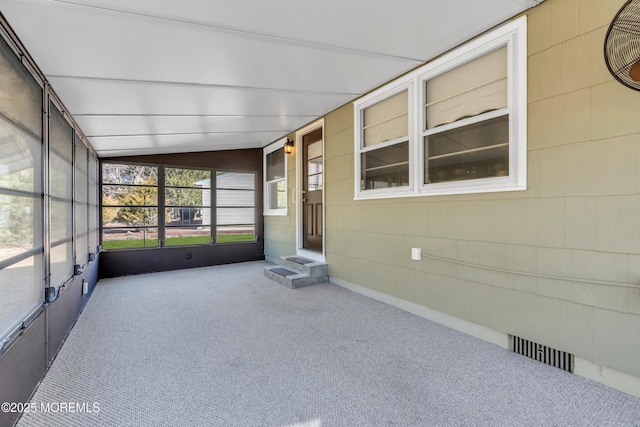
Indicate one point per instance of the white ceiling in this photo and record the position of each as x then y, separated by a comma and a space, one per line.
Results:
163, 76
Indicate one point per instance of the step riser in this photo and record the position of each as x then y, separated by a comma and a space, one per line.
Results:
306, 274
316, 269
293, 282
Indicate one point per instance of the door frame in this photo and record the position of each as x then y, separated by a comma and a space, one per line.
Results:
300, 250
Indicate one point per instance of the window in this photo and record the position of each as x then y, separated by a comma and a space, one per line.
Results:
61, 197
21, 228
275, 179
80, 202
384, 154
129, 206
93, 204
160, 206
235, 202
456, 125
187, 206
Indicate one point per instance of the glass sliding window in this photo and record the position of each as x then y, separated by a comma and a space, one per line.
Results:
21, 228
80, 202
129, 206
235, 207
275, 181
93, 204
384, 152
187, 207
61, 197
466, 133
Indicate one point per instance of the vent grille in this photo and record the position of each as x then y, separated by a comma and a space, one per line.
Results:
542, 353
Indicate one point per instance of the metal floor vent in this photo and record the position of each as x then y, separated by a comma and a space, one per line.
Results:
542, 353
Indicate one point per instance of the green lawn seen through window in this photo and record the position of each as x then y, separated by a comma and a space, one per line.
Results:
176, 241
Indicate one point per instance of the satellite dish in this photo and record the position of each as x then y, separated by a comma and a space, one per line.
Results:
622, 45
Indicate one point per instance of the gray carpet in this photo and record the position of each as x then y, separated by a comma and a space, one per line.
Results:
223, 346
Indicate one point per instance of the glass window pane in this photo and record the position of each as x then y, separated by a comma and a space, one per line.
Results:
129, 174
275, 165
60, 134
61, 263
187, 197
235, 216
386, 120
277, 194
188, 236
125, 195
230, 234
129, 217
60, 176
237, 198
196, 217
61, 220
314, 150
20, 94
314, 182
120, 238
386, 167
20, 160
235, 180
476, 151
314, 166
18, 230
82, 234
81, 172
187, 178
471, 89
93, 203
22, 290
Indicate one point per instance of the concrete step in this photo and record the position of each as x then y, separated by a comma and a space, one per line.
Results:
296, 272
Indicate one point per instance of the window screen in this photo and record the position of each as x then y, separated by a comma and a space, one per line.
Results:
21, 232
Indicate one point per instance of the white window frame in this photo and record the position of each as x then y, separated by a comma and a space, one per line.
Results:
514, 36
267, 211
374, 98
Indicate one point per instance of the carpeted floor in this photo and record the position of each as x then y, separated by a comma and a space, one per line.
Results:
223, 346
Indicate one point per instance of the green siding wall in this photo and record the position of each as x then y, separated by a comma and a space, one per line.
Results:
579, 218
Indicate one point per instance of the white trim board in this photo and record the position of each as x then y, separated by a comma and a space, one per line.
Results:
622, 381
300, 250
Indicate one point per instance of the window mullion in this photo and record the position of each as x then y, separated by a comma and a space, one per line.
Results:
161, 206
214, 206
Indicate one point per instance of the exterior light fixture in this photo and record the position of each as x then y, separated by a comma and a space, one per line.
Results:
288, 146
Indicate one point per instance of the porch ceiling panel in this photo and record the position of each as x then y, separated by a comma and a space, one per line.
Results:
170, 124
244, 58
90, 96
139, 145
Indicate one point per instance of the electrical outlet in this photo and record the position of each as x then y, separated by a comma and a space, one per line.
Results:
416, 254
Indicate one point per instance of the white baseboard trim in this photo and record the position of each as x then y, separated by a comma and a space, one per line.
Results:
626, 383
469, 328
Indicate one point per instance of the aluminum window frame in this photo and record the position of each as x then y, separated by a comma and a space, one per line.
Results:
161, 204
158, 185
202, 206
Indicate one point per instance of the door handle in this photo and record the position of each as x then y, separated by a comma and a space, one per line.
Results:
304, 200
